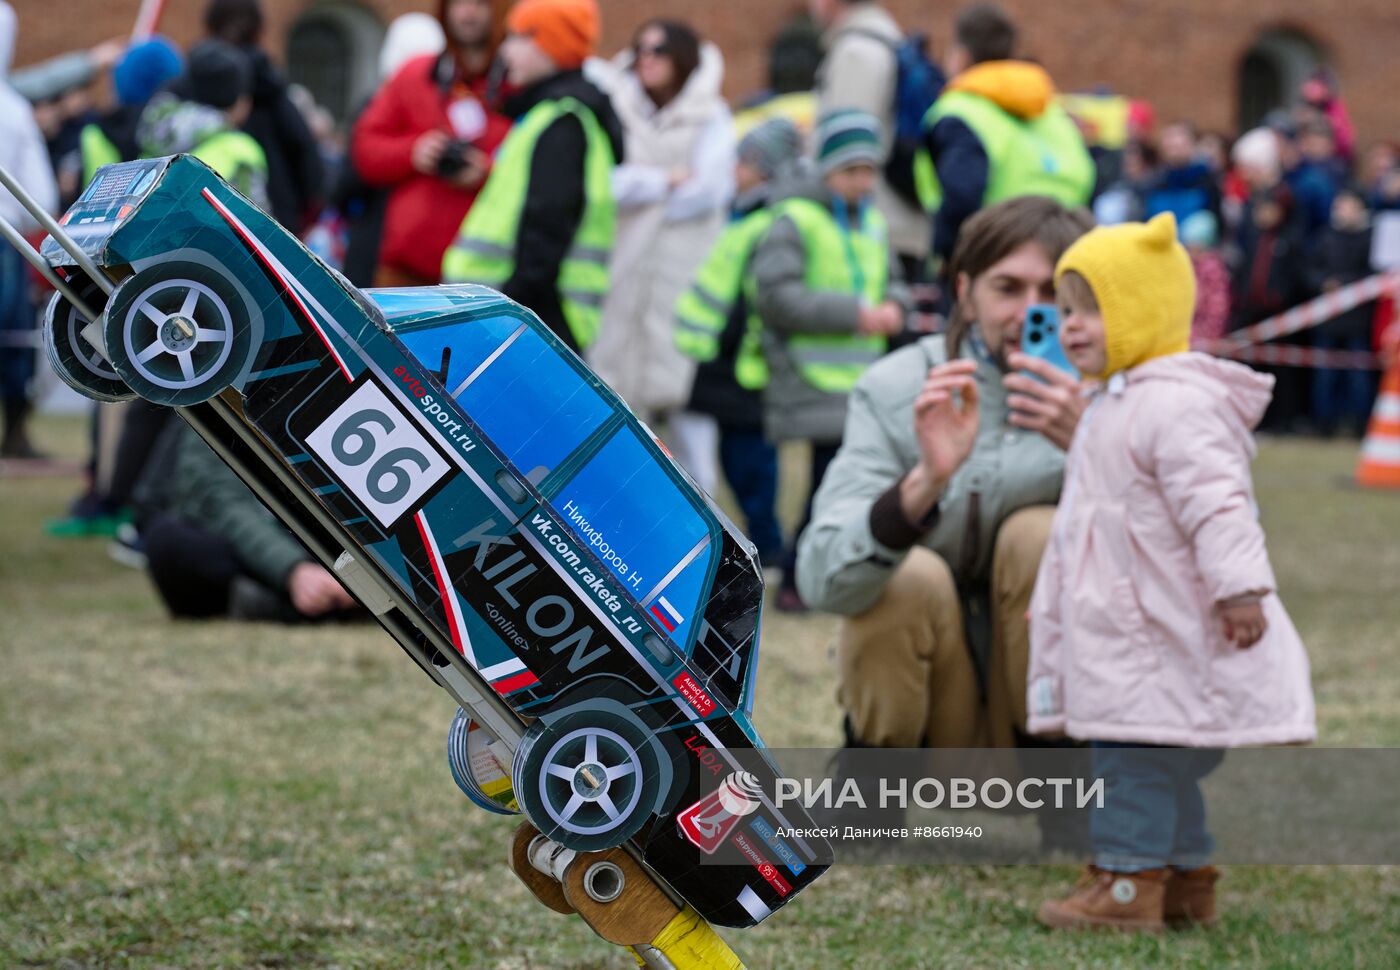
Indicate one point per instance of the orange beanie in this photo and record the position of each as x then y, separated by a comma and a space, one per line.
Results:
566, 30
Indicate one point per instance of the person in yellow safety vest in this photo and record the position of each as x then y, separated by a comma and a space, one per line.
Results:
996, 132
137, 76
541, 231
199, 113
717, 324
828, 291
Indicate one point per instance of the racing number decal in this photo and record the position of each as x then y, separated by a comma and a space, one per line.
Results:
377, 454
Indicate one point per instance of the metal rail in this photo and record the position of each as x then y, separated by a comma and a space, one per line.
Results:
52, 227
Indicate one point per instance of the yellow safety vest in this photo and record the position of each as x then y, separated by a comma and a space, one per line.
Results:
484, 251
703, 310
840, 259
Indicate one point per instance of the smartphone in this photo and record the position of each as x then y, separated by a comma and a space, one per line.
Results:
1040, 337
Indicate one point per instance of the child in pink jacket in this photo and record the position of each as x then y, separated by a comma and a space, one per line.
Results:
1156, 632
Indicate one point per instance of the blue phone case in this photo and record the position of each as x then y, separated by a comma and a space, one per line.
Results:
1040, 337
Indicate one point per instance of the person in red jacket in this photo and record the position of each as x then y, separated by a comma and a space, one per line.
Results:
428, 135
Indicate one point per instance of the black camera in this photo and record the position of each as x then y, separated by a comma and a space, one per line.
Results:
453, 158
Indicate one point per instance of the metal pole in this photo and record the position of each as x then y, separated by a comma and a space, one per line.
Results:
17, 240
147, 19
52, 227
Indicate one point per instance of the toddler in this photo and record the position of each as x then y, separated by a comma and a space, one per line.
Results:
1156, 634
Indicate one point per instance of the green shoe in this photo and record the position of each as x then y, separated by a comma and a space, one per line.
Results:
87, 526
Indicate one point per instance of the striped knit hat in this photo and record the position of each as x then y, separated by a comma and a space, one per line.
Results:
846, 137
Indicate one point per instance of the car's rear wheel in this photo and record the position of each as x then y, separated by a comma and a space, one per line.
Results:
477, 768
75, 358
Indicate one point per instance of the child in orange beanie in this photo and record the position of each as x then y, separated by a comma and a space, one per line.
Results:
1156, 633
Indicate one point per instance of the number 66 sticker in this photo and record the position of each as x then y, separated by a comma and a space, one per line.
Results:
378, 455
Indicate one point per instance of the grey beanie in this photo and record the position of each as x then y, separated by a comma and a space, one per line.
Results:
771, 146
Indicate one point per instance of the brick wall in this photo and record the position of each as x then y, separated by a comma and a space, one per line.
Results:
1183, 55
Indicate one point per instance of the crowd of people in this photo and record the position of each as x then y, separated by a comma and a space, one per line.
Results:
1282, 215
853, 269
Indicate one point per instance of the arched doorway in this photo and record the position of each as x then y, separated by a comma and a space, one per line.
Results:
332, 50
1271, 72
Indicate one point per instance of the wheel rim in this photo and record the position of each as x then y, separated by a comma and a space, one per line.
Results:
177, 333
77, 362
590, 781
83, 352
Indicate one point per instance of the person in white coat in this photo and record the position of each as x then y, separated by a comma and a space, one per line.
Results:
24, 156
672, 196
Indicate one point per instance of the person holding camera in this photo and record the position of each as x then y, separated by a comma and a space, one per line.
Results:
929, 525
428, 137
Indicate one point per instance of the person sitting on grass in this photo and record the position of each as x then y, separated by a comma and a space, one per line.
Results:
214, 551
1156, 632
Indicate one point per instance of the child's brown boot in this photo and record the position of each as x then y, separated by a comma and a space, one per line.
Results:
1188, 897
1109, 900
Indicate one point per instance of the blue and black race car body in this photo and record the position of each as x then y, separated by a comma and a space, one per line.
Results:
502, 513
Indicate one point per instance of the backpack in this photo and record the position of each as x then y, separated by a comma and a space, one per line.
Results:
918, 82
917, 85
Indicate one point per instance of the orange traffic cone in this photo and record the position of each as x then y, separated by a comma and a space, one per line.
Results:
1379, 466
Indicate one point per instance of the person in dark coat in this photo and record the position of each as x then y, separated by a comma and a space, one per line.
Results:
1343, 256
214, 550
1268, 281
141, 72
294, 170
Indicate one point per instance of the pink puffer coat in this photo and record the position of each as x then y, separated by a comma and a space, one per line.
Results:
1157, 525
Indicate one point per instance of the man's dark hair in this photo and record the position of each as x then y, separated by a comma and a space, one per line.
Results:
986, 32
999, 230
238, 22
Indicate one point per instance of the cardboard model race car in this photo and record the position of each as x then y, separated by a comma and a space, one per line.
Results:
498, 509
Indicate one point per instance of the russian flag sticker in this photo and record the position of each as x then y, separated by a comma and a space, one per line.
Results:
667, 614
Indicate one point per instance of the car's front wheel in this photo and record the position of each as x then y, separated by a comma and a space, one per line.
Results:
588, 779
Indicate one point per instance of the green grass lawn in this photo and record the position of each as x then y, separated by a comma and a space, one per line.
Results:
212, 795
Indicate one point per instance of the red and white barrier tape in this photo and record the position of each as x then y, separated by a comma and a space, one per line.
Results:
1248, 344
1318, 310
1288, 355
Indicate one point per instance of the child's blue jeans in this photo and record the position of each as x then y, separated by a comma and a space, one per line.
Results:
1153, 814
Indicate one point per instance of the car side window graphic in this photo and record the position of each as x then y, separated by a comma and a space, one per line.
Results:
523, 395
634, 516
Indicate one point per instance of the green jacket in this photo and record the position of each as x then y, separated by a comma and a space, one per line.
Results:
169, 126
206, 491
841, 567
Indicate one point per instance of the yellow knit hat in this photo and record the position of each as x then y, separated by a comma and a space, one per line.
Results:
1145, 287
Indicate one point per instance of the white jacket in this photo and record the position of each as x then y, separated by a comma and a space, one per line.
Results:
22, 149
663, 234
